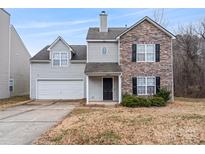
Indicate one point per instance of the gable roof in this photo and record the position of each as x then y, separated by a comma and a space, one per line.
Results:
43, 54
59, 38
152, 22
95, 34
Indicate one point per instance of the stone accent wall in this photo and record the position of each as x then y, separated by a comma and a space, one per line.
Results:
149, 34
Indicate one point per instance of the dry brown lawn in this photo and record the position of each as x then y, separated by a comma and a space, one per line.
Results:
182, 122
8, 102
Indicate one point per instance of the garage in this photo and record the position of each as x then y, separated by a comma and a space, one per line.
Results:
60, 89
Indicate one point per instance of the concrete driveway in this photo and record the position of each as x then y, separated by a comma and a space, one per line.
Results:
23, 124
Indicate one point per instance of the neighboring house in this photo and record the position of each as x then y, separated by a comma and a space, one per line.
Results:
135, 60
14, 60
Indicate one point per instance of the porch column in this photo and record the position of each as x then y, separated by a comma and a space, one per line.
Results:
87, 89
119, 89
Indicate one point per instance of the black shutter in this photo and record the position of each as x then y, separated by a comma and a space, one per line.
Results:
157, 84
134, 52
134, 86
157, 52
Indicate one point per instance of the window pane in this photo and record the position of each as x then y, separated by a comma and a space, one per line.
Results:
64, 56
56, 62
104, 50
150, 56
150, 48
150, 90
141, 90
56, 55
141, 48
64, 62
140, 57
141, 81
151, 81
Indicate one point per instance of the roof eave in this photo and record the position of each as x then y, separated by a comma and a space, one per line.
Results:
103, 73
101, 40
77, 61
40, 61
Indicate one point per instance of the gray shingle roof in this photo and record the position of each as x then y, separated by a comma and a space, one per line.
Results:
102, 68
42, 54
80, 53
94, 34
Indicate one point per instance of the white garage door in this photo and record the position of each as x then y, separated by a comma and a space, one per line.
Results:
55, 89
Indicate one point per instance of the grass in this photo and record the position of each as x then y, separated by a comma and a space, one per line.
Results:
195, 100
181, 122
4, 103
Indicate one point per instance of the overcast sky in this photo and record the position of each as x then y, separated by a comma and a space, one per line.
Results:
40, 27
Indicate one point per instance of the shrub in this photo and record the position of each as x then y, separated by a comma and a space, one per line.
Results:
164, 93
135, 101
157, 101
127, 100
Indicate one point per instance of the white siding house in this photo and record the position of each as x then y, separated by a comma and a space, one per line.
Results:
14, 60
4, 54
94, 72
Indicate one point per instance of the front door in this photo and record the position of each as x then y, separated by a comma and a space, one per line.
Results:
107, 89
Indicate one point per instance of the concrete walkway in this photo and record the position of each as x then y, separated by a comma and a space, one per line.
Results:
23, 124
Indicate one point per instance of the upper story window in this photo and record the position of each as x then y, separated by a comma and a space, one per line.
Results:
145, 53
104, 51
60, 59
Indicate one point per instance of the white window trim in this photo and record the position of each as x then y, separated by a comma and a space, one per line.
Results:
59, 52
145, 45
146, 94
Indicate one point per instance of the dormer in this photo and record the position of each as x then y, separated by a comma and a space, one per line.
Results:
60, 53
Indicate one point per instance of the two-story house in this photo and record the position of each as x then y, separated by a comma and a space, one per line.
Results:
117, 60
14, 60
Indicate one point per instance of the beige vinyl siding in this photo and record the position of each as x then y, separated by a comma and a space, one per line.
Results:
19, 65
95, 52
4, 54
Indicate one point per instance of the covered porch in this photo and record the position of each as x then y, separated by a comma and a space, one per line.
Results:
103, 83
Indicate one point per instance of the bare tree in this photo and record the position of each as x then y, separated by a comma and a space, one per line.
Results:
201, 29
188, 67
159, 17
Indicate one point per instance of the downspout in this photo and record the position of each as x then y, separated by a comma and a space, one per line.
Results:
120, 76
172, 60
9, 59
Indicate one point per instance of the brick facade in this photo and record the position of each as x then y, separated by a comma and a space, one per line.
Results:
146, 33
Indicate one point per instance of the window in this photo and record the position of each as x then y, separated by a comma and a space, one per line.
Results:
60, 59
146, 85
145, 52
11, 85
104, 50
